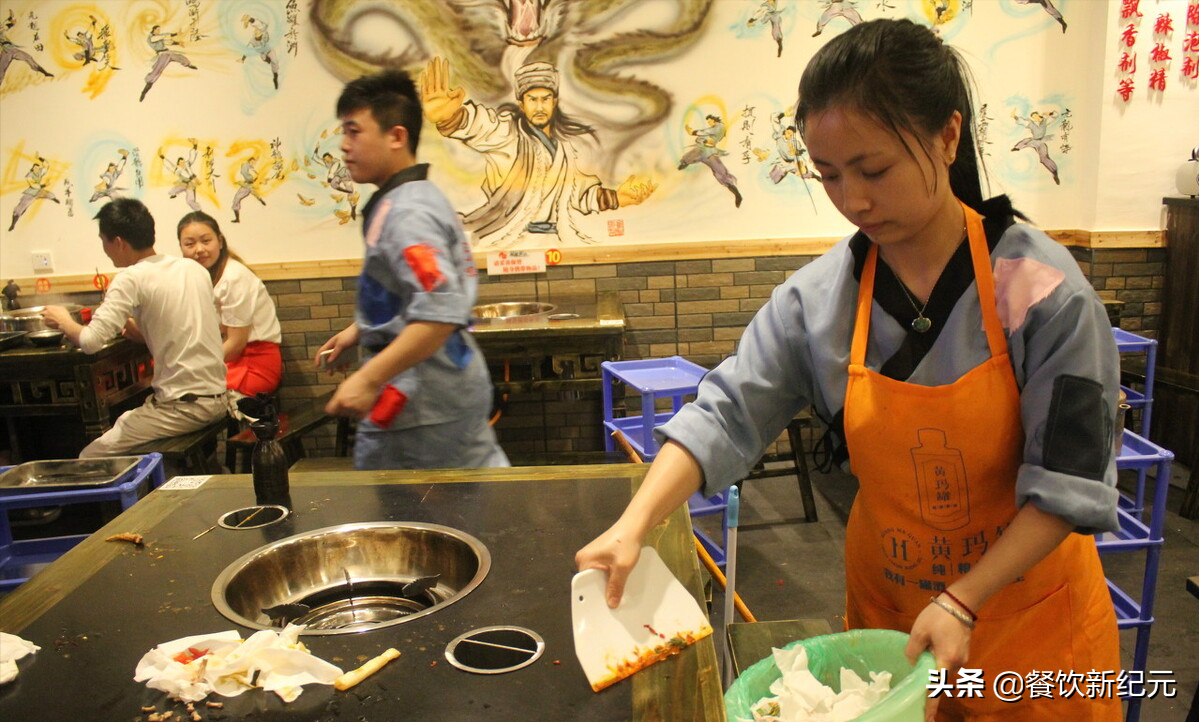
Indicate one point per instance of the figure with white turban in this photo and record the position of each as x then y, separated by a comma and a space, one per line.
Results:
532, 178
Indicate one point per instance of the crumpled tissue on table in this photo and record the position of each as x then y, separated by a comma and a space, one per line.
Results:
800, 697
189, 669
12, 648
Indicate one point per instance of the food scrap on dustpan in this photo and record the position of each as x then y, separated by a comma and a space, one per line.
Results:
641, 657
799, 697
191, 668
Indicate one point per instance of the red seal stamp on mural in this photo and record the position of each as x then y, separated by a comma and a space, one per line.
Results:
616, 227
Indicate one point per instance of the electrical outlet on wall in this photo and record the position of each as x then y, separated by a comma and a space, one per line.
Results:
43, 262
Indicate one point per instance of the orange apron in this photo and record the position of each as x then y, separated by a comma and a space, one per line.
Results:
937, 470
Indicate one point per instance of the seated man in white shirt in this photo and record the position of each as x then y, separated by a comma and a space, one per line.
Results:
169, 301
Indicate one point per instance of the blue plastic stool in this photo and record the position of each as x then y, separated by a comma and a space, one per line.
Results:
675, 378
16, 557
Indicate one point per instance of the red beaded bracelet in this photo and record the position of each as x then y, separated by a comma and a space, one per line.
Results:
960, 603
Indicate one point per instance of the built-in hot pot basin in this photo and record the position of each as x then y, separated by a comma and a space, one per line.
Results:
352, 577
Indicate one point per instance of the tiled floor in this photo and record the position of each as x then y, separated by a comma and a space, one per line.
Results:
789, 569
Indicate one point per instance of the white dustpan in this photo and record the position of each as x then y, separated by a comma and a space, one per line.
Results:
657, 618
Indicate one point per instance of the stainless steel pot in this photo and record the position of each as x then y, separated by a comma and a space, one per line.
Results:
30, 319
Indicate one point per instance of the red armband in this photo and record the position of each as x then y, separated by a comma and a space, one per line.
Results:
388, 406
422, 259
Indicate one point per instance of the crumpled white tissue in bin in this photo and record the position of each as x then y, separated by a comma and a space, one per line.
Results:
191, 668
800, 697
12, 648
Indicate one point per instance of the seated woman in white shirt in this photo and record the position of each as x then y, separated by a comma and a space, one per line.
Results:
249, 325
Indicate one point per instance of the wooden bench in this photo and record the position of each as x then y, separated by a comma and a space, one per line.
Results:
190, 453
294, 424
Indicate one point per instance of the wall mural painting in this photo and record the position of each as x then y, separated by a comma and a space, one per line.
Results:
323, 165
26, 27
258, 169
707, 148
33, 176
529, 95
846, 10
1044, 129
537, 179
551, 123
769, 13
83, 39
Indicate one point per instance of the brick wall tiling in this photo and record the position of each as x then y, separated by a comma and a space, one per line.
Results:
692, 308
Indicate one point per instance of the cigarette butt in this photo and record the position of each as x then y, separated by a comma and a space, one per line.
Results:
353, 677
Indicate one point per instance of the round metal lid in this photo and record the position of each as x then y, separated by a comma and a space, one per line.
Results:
253, 517
495, 650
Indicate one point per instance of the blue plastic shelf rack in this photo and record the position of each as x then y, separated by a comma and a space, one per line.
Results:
675, 378
1128, 342
1141, 454
18, 559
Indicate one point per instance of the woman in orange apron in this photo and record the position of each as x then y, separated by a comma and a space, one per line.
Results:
970, 373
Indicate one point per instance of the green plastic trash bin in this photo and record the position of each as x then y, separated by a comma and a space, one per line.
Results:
862, 650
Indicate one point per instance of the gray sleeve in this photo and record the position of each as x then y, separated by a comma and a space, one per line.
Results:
746, 402
1071, 371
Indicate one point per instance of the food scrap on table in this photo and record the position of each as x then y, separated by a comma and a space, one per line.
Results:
353, 677
131, 537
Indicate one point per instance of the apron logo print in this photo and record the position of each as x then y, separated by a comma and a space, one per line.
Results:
901, 548
941, 481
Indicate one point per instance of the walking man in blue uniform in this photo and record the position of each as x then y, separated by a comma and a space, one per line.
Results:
423, 394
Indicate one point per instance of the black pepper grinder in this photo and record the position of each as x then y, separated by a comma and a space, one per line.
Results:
268, 463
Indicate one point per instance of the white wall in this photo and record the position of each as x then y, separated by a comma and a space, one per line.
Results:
1120, 164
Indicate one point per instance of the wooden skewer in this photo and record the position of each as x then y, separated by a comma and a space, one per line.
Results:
626, 447
718, 575
353, 677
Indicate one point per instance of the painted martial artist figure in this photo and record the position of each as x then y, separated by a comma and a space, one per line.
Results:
423, 393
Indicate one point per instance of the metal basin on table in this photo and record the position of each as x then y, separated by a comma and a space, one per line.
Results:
352, 578
512, 310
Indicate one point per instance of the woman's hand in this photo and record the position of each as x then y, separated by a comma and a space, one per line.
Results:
947, 638
616, 551
674, 476
327, 355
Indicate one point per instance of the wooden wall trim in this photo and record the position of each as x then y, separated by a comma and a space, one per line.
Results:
591, 255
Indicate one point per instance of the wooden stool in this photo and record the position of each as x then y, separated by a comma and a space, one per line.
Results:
749, 642
190, 452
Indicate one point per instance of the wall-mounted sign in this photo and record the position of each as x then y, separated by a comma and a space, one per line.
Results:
505, 262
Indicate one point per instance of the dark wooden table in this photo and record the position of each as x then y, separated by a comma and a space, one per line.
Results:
65, 383
102, 605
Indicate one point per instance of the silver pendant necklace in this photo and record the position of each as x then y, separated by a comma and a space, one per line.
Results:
920, 324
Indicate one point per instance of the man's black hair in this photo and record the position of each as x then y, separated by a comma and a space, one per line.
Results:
392, 99
129, 219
